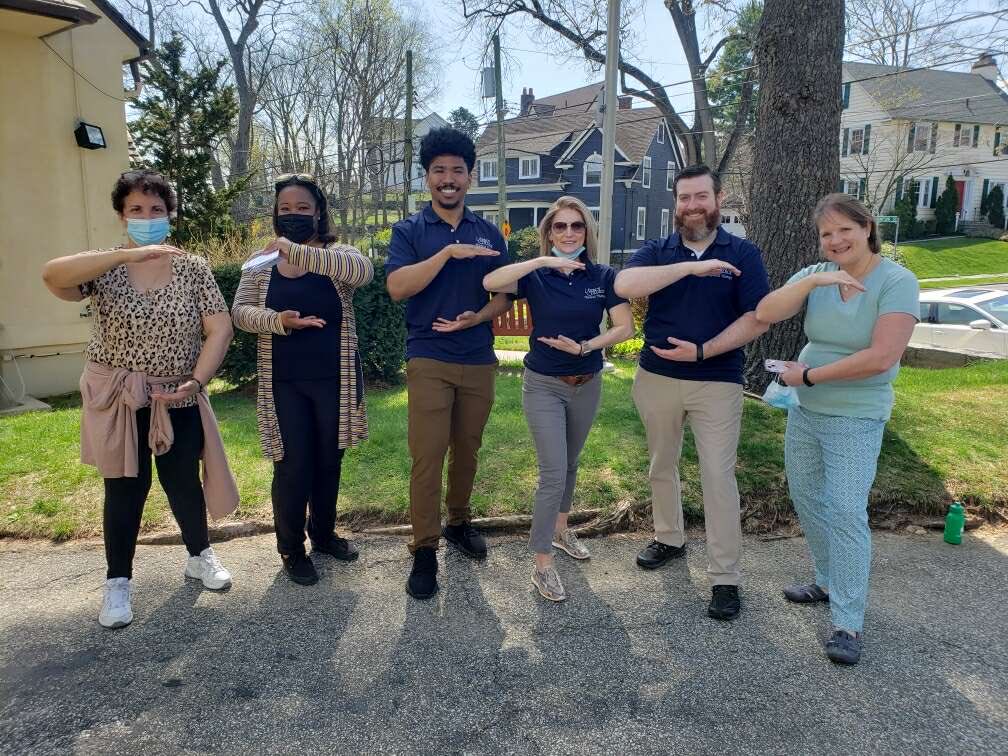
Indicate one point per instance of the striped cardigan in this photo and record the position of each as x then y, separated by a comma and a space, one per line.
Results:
348, 269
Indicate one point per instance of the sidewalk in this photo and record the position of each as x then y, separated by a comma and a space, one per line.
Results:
629, 664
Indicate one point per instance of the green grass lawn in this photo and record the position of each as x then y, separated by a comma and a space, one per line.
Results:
949, 283
946, 439
512, 343
958, 256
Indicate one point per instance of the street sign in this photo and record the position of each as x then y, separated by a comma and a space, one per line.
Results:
887, 218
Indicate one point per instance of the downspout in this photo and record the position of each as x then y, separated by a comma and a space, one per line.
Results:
134, 66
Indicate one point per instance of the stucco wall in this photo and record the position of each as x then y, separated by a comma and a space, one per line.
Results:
55, 195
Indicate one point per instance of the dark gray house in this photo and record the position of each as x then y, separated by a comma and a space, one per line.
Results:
554, 147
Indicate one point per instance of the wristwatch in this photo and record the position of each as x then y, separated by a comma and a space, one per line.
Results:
584, 349
699, 351
805, 378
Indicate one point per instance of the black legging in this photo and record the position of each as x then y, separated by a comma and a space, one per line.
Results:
178, 472
309, 474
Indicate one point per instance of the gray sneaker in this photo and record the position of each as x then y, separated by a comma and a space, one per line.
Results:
548, 583
568, 541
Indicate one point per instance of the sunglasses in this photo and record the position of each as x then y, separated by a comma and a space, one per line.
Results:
293, 178
560, 227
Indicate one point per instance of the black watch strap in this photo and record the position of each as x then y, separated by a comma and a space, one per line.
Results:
699, 351
805, 378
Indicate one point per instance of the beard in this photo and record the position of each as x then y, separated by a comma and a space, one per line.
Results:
691, 231
449, 204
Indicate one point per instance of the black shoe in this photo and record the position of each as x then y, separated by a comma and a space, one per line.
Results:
466, 539
422, 583
655, 554
724, 603
300, 569
338, 548
844, 647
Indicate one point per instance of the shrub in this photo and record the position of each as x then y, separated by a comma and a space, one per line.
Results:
239, 365
381, 330
380, 243
945, 208
524, 244
639, 309
995, 207
906, 210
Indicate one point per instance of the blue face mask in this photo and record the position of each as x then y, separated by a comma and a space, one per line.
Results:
144, 231
569, 255
781, 396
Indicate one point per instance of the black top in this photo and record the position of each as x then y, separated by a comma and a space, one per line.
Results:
307, 353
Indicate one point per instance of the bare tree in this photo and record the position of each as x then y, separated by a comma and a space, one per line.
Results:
906, 33
577, 26
799, 50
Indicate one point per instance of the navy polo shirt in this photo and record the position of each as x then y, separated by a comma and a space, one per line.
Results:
568, 305
457, 288
698, 309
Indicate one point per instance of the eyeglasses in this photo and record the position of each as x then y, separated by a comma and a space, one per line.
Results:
560, 227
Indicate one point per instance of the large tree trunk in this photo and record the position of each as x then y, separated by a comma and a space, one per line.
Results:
796, 159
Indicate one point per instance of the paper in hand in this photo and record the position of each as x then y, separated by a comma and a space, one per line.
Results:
261, 261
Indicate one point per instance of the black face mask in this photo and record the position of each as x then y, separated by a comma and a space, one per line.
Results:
297, 227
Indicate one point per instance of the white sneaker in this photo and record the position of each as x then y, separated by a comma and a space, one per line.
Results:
116, 610
208, 568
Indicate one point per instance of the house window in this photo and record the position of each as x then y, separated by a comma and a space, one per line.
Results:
646, 173
924, 192
641, 222
528, 168
856, 141
920, 135
595, 213
661, 134
592, 170
489, 216
956, 134
853, 187
664, 223
669, 176
488, 170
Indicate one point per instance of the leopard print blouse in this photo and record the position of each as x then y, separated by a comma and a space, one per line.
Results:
158, 332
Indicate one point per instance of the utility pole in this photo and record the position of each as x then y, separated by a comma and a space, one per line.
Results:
501, 172
610, 103
408, 137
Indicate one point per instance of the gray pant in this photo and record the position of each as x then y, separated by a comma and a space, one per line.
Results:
559, 417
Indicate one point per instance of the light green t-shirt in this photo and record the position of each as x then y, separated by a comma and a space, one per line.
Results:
836, 329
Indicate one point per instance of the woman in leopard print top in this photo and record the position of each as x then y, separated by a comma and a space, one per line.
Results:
161, 329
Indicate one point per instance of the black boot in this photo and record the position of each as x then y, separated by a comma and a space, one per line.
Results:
466, 539
300, 569
422, 583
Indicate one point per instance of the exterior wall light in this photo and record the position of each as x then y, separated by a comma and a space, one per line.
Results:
89, 136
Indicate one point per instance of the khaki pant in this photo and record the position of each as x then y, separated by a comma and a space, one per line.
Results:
714, 412
449, 405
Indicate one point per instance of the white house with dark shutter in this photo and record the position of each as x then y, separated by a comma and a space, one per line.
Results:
909, 130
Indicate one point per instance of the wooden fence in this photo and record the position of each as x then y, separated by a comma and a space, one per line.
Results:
515, 322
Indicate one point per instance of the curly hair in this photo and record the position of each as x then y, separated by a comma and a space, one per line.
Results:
447, 141
148, 182
323, 233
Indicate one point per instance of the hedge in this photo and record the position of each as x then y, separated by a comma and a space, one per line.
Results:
381, 331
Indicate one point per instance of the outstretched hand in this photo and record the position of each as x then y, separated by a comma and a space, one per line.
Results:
184, 391
681, 351
464, 320
292, 320
562, 343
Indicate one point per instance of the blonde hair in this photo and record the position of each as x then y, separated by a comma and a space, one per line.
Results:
852, 209
591, 230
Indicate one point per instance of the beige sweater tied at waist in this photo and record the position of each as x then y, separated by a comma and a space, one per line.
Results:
111, 397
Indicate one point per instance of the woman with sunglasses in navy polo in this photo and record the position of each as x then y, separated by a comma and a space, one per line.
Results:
310, 399
568, 294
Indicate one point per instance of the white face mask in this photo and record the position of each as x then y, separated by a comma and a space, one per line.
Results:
569, 255
781, 396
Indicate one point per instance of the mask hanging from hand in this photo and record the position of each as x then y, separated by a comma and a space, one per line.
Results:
781, 396
298, 227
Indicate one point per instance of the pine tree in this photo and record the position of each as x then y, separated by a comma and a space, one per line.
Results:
726, 76
183, 114
995, 207
463, 120
945, 208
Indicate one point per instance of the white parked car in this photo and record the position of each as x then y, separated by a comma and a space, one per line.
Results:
973, 319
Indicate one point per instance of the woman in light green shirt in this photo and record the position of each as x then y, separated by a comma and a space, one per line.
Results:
861, 312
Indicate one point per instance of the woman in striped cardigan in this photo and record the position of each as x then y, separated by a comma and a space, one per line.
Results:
310, 402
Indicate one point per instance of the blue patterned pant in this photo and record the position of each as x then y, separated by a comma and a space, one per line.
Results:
830, 463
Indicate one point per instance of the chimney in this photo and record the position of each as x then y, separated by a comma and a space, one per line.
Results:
527, 98
986, 66
625, 102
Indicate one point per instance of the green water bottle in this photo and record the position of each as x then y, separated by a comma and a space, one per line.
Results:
955, 521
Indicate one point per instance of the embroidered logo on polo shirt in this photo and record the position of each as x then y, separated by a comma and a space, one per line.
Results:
484, 242
595, 293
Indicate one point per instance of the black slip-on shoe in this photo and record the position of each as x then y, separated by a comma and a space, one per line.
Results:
337, 548
844, 647
300, 569
466, 539
422, 582
806, 594
724, 603
656, 553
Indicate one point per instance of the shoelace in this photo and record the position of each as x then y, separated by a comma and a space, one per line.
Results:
118, 596
214, 562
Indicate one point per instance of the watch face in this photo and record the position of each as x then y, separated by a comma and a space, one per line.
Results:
95, 135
